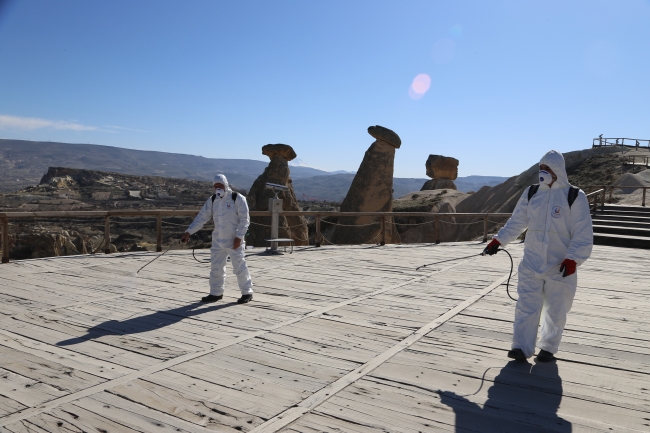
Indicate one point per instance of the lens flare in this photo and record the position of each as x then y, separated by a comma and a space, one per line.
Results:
443, 50
420, 86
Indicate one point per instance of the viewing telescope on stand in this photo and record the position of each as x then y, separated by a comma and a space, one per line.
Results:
275, 207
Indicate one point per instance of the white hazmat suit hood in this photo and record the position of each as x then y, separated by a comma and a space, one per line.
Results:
221, 178
556, 231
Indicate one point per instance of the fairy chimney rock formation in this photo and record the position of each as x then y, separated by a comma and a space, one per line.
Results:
283, 150
442, 170
258, 199
371, 191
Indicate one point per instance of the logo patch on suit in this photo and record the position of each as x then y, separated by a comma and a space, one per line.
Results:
228, 205
556, 212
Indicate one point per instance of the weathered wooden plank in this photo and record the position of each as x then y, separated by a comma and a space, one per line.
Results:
69, 418
226, 395
89, 348
52, 373
26, 391
187, 406
97, 367
79, 334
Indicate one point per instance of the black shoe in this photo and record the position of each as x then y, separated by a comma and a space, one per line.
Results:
517, 354
211, 298
245, 299
544, 356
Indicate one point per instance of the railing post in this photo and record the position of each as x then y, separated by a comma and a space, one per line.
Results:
437, 229
611, 190
318, 230
602, 199
5, 240
485, 227
643, 201
158, 233
383, 230
107, 235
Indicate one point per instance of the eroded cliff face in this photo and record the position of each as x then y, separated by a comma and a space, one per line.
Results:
277, 172
371, 191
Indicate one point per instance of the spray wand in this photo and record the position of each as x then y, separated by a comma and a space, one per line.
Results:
484, 252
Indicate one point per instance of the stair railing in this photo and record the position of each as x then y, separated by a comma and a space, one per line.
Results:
611, 188
593, 198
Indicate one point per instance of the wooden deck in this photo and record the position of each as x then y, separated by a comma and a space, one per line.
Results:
337, 339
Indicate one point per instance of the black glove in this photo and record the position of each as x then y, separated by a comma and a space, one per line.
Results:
492, 248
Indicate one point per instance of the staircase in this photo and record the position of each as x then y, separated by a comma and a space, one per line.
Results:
623, 226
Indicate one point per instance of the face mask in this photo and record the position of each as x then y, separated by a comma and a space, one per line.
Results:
219, 192
545, 177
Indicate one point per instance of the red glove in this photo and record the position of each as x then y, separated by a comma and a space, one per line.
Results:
569, 267
492, 248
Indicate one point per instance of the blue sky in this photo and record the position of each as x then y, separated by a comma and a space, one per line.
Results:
493, 83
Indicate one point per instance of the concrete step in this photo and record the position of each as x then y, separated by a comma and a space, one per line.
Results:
632, 219
623, 213
625, 208
616, 223
621, 240
626, 231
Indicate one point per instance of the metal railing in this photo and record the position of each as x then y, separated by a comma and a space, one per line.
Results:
627, 142
319, 216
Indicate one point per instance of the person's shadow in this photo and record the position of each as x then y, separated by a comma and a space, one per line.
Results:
149, 322
521, 399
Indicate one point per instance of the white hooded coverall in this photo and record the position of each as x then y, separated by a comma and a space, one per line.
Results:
231, 220
555, 232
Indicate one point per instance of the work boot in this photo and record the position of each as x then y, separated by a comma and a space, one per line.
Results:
211, 298
517, 354
544, 356
245, 299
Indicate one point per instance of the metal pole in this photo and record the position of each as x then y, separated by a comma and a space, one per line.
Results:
107, 235
643, 201
318, 235
383, 230
158, 233
5, 240
485, 228
275, 206
437, 229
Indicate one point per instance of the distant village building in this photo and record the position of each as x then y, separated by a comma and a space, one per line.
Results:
102, 195
163, 194
135, 194
68, 194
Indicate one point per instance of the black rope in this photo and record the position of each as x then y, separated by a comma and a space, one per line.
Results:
512, 267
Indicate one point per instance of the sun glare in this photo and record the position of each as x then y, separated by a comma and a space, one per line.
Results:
420, 86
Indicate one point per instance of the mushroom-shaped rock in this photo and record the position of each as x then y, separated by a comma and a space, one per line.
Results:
442, 170
258, 199
442, 167
284, 150
386, 135
438, 184
371, 191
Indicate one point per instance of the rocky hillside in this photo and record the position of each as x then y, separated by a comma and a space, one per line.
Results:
22, 163
598, 166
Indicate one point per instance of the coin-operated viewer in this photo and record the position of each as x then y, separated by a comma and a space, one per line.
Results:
229, 211
559, 239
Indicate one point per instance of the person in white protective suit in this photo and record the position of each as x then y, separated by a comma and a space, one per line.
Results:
559, 238
229, 211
